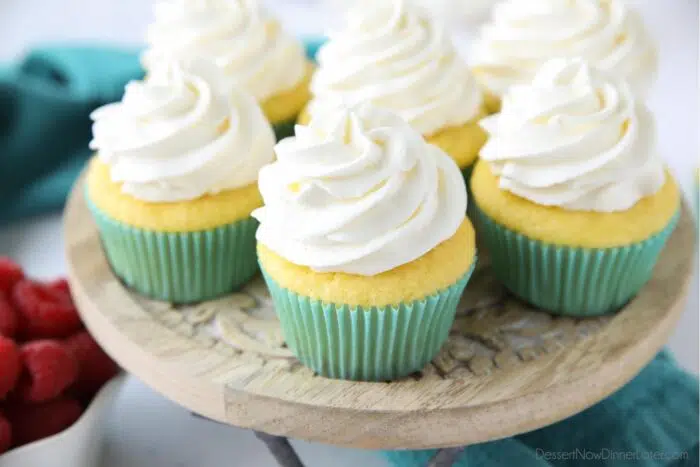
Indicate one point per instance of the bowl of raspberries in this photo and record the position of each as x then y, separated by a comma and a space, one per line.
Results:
56, 382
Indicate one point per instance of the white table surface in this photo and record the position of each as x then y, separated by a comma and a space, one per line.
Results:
150, 431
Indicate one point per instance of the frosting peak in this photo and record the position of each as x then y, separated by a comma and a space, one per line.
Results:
358, 192
574, 138
252, 49
182, 134
522, 35
396, 57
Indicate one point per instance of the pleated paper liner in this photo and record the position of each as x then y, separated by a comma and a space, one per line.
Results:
571, 281
284, 129
366, 343
181, 267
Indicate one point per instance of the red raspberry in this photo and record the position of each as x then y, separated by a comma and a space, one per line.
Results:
9, 319
49, 368
47, 312
10, 273
5, 434
60, 285
10, 365
32, 422
95, 367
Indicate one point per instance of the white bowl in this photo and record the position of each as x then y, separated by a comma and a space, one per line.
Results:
78, 446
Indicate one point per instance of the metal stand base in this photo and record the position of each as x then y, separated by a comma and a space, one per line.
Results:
285, 455
281, 449
446, 457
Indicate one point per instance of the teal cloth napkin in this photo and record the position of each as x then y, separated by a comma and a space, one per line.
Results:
651, 422
45, 102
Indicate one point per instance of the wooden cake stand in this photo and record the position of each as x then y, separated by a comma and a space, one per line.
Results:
506, 369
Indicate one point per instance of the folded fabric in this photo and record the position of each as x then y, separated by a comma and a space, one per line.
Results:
45, 104
45, 120
651, 421
44, 132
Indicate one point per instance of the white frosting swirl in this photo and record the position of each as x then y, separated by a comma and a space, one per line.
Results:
253, 50
522, 35
398, 58
576, 139
360, 192
182, 134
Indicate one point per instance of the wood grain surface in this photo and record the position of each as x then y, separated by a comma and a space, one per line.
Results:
506, 368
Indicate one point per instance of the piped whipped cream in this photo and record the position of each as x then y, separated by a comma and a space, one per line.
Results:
360, 192
181, 134
522, 35
399, 58
238, 35
574, 138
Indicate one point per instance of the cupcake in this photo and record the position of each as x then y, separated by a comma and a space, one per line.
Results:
256, 55
364, 244
397, 57
521, 36
173, 182
574, 202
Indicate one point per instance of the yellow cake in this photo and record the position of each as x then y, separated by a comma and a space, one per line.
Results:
286, 105
461, 143
492, 102
588, 229
364, 244
573, 199
436, 270
185, 216
174, 182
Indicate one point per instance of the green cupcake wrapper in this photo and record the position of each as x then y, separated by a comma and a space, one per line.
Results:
571, 281
284, 129
366, 343
180, 267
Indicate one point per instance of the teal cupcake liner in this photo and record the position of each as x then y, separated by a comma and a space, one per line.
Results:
284, 129
366, 343
180, 267
572, 281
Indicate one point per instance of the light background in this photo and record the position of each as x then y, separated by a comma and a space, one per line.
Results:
147, 430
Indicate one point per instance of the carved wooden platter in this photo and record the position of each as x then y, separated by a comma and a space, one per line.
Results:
506, 368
